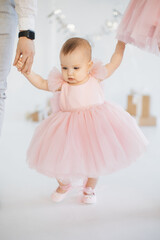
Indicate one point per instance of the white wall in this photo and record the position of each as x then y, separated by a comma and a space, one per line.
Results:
139, 69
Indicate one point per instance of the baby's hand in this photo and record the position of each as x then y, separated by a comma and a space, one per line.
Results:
19, 65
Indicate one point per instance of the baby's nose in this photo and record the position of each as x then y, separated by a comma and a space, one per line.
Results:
70, 71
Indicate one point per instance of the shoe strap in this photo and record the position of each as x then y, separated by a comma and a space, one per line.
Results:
89, 190
65, 187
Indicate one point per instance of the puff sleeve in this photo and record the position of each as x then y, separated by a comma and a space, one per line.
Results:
98, 70
55, 80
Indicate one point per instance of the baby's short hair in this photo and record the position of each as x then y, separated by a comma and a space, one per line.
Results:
72, 43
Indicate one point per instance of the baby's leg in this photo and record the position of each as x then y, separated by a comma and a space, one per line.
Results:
63, 187
91, 182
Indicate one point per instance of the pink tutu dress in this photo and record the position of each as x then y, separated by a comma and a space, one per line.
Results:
140, 25
85, 136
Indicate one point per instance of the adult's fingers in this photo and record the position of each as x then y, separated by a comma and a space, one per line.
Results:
30, 66
18, 54
27, 65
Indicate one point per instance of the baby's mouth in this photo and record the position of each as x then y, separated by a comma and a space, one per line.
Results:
70, 79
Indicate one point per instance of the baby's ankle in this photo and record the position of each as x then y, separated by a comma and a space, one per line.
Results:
60, 190
88, 191
63, 188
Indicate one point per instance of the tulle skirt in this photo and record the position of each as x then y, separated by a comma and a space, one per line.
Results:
91, 142
140, 25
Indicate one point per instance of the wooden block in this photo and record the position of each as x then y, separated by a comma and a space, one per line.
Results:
131, 108
148, 121
35, 117
145, 106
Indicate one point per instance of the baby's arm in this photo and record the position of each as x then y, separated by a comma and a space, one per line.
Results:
116, 58
35, 79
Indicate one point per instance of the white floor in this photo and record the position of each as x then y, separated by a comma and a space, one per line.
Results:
128, 204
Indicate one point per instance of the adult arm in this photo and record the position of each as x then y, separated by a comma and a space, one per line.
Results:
26, 10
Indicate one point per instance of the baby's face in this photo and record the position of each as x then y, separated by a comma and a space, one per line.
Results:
75, 66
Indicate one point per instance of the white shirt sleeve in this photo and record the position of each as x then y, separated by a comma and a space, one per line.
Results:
26, 10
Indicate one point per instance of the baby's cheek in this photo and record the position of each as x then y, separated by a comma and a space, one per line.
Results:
84, 74
64, 75
78, 76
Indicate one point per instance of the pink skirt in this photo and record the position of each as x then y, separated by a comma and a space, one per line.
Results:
86, 143
140, 25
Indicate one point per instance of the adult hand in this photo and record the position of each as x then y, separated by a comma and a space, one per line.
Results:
25, 51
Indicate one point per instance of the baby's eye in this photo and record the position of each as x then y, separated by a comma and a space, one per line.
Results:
76, 68
64, 68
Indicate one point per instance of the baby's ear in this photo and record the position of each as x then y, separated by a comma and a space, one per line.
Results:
90, 64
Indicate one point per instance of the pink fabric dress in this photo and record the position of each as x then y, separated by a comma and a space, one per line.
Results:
140, 25
86, 136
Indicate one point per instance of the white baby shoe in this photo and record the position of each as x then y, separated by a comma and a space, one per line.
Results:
58, 197
89, 197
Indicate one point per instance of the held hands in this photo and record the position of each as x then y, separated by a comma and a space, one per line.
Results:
25, 53
23, 62
19, 66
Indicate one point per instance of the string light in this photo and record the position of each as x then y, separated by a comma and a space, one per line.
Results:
108, 27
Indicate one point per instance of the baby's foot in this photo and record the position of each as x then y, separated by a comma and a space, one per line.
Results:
89, 195
60, 193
